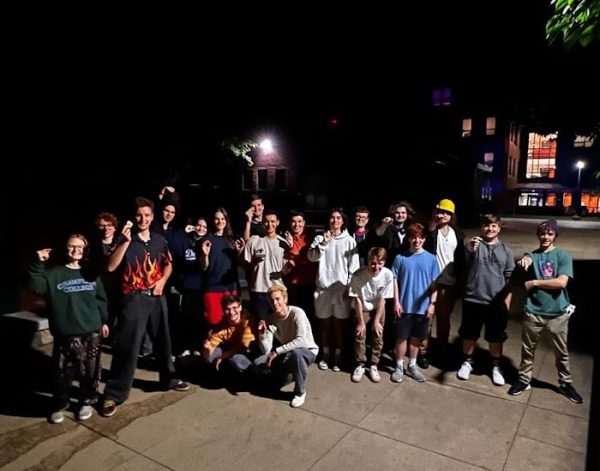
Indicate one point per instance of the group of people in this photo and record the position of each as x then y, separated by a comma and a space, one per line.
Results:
395, 278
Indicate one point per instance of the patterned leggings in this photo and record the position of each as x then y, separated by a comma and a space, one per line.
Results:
77, 356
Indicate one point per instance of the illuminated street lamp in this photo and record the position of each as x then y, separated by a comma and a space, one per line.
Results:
580, 164
266, 145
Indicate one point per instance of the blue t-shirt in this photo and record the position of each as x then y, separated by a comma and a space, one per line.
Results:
414, 273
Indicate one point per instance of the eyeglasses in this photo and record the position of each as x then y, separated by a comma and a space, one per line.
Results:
361, 217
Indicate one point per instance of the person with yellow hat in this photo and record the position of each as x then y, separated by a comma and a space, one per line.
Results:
446, 241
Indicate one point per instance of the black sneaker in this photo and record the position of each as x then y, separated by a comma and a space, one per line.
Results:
518, 388
423, 362
568, 390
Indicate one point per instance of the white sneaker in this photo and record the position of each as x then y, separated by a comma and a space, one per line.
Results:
323, 365
359, 371
298, 401
336, 368
374, 374
57, 417
398, 374
497, 376
85, 412
185, 353
465, 371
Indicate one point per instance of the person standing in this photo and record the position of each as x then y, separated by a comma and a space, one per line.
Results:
96, 262
392, 230
370, 286
446, 241
77, 321
547, 308
145, 261
218, 256
489, 266
361, 233
299, 272
264, 260
414, 302
335, 251
254, 218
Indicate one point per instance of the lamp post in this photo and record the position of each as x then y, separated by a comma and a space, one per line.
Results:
579, 165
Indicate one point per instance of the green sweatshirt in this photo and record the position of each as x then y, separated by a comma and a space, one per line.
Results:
77, 307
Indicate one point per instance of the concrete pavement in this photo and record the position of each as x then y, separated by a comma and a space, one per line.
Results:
443, 423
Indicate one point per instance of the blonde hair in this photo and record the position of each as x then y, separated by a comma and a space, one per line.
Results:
278, 289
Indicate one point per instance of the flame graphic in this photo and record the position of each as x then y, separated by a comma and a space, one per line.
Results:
144, 275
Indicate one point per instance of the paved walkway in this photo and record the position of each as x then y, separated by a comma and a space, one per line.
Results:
442, 424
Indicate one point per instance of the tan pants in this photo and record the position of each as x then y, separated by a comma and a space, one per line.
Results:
558, 329
360, 347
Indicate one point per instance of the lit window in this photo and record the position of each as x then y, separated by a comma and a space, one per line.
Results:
583, 141
490, 126
467, 124
442, 96
567, 199
541, 156
446, 96
531, 199
551, 199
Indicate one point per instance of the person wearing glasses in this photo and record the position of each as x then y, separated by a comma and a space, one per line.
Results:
361, 233
78, 315
231, 344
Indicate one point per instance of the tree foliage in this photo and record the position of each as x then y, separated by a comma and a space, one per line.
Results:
577, 21
241, 149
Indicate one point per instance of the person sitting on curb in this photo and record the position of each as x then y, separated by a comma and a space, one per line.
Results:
547, 308
294, 349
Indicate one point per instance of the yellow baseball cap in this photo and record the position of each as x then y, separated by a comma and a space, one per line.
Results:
446, 205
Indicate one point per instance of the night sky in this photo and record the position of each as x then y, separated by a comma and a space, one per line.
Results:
121, 95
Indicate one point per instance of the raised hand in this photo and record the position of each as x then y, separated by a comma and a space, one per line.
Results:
44, 254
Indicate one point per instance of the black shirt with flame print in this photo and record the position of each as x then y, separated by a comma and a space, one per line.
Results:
144, 262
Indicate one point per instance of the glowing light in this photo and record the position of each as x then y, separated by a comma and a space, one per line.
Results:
266, 145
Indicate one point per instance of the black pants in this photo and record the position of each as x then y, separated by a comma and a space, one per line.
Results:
139, 311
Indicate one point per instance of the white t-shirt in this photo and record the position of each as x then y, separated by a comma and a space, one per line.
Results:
370, 289
268, 272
